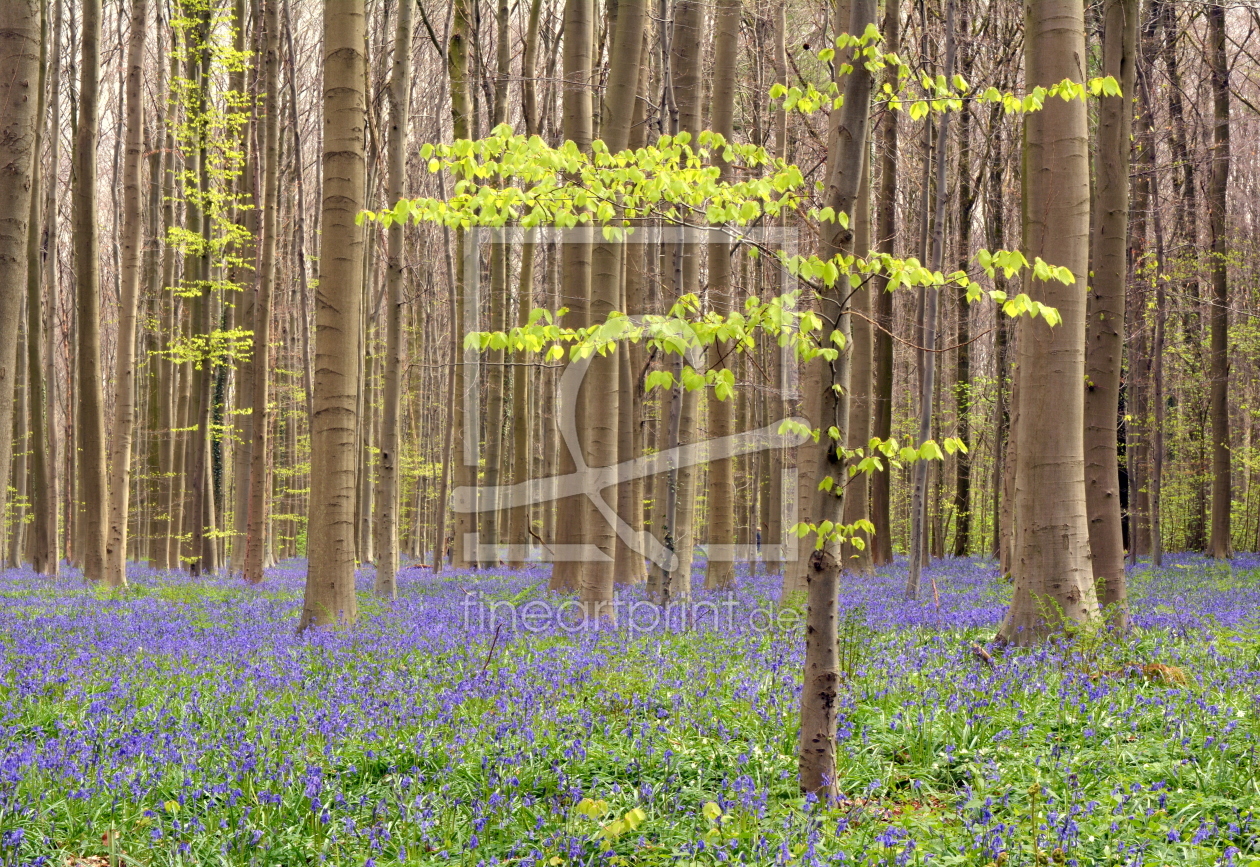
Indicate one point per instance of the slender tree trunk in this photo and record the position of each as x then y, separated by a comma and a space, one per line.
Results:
578, 127
927, 385
817, 765
53, 283
962, 357
242, 274
1220, 546
43, 462
721, 492
465, 472
21, 445
132, 253
886, 229
93, 488
858, 559
686, 95
1051, 563
330, 592
1105, 338
259, 478
518, 529
395, 343
199, 510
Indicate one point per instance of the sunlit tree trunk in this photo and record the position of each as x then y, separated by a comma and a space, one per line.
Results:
962, 368
330, 592
395, 343
721, 492
465, 471
259, 478
242, 275
931, 298
125, 355
821, 683
1105, 331
603, 385
518, 529
1051, 565
686, 70
578, 127
885, 231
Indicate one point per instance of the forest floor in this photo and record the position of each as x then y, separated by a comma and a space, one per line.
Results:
183, 722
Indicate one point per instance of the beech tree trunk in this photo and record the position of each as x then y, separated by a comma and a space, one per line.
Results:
1105, 333
330, 590
43, 546
931, 298
885, 241
132, 252
1221, 546
465, 471
819, 692
721, 492
93, 489
395, 343
578, 127
1051, 568
603, 385
259, 478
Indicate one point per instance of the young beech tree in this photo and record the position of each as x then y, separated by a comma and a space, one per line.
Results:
507, 178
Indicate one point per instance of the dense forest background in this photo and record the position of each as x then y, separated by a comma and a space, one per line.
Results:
161, 346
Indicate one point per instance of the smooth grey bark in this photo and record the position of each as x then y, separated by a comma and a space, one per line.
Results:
1051, 568
330, 594
821, 681
1105, 331
721, 489
395, 340
885, 240
125, 354
258, 479
931, 300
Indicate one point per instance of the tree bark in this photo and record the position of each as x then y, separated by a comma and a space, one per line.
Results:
125, 354
395, 342
259, 479
886, 229
1105, 332
1051, 565
578, 127
848, 143
43, 498
93, 487
721, 493
330, 589
1220, 546
931, 297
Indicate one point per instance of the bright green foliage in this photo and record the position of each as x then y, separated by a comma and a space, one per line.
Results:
212, 124
508, 179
